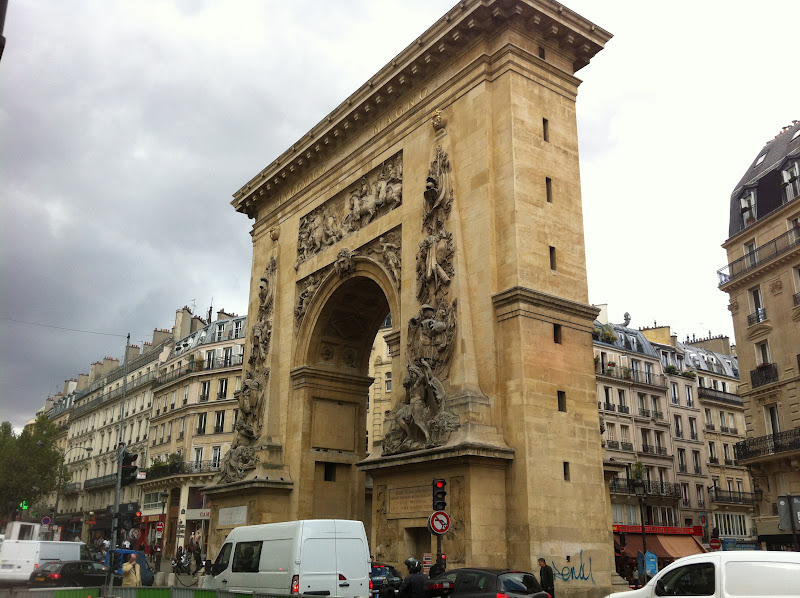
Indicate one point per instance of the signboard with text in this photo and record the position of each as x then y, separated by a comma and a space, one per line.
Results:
697, 530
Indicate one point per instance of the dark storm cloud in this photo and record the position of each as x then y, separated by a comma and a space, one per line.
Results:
126, 127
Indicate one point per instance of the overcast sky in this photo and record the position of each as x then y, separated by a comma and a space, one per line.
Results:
125, 126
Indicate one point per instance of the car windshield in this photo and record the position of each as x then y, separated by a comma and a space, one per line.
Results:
379, 571
519, 583
48, 567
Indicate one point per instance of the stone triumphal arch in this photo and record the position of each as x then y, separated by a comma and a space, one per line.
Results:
446, 192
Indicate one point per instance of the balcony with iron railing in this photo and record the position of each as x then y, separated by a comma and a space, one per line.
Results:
766, 446
73, 487
759, 256
698, 470
644, 412
626, 373
649, 448
626, 446
757, 316
612, 444
658, 415
200, 431
627, 486
686, 502
713, 460
623, 409
162, 470
717, 495
682, 468
766, 373
718, 395
101, 482
199, 366
609, 406
729, 461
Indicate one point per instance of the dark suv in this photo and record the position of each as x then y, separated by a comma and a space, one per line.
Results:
381, 573
493, 583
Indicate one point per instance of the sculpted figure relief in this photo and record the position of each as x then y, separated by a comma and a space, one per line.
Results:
370, 197
344, 262
237, 462
389, 249
241, 457
420, 421
311, 286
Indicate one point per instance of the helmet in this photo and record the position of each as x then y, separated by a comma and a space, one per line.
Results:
414, 566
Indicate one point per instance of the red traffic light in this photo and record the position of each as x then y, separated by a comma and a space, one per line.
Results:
439, 483
138, 513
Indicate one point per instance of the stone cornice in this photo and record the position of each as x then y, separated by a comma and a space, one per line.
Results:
254, 484
521, 301
304, 161
472, 451
309, 377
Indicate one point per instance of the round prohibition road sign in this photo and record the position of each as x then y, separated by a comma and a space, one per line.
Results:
439, 522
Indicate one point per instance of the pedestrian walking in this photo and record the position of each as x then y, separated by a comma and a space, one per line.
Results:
131, 572
546, 577
198, 560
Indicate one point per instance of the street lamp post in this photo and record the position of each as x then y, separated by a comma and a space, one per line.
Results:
60, 477
640, 487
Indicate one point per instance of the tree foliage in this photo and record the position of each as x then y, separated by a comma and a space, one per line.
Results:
29, 464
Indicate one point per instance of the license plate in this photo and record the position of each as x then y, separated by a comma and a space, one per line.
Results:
40, 579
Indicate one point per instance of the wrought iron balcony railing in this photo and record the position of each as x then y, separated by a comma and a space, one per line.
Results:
626, 446
644, 412
101, 482
766, 373
759, 256
199, 366
627, 486
649, 448
626, 373
658, 414
730, 496
623, 409
162, 470
613, 444
757, 316
717, 395
770, 444
709, 426
713, 460
609, 406
72, 487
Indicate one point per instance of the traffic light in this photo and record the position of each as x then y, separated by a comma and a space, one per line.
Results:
439, 495
128, 468
137, 520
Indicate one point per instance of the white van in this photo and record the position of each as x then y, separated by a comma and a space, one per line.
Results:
728, 574
324, 557
19, 558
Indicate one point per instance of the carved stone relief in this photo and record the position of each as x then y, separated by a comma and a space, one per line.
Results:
344, 262
456, 541
388, 247
776, 286
734, 306
241, 457
375, 194
421, 420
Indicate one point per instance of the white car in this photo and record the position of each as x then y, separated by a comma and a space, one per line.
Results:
728, 574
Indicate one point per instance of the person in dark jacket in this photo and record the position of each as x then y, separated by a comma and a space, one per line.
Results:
546, 577
413, 585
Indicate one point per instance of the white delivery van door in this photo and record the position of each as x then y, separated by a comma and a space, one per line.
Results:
351, 561
318, 574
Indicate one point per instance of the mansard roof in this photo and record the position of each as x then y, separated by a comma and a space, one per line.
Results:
764, 176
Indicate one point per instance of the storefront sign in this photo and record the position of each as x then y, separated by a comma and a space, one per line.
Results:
151, 518
195, 514
697, 530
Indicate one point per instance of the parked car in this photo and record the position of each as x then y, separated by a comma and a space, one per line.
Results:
739, 573
490, 583
381, 573
71, 574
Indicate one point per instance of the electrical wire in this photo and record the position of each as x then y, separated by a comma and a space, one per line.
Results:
63, 327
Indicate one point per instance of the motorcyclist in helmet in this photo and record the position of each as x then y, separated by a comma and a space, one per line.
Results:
413, 585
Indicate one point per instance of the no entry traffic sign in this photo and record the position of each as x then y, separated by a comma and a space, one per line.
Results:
715, 544
160, 526
439, 522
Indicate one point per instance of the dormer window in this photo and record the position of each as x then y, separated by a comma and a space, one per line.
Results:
760, 159
748, 203
220, 331
791, 182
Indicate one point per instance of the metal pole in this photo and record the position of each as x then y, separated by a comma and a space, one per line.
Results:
120, 451
644, 541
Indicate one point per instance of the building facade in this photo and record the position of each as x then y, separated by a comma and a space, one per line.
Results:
192, 424
650, 392
762, 279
